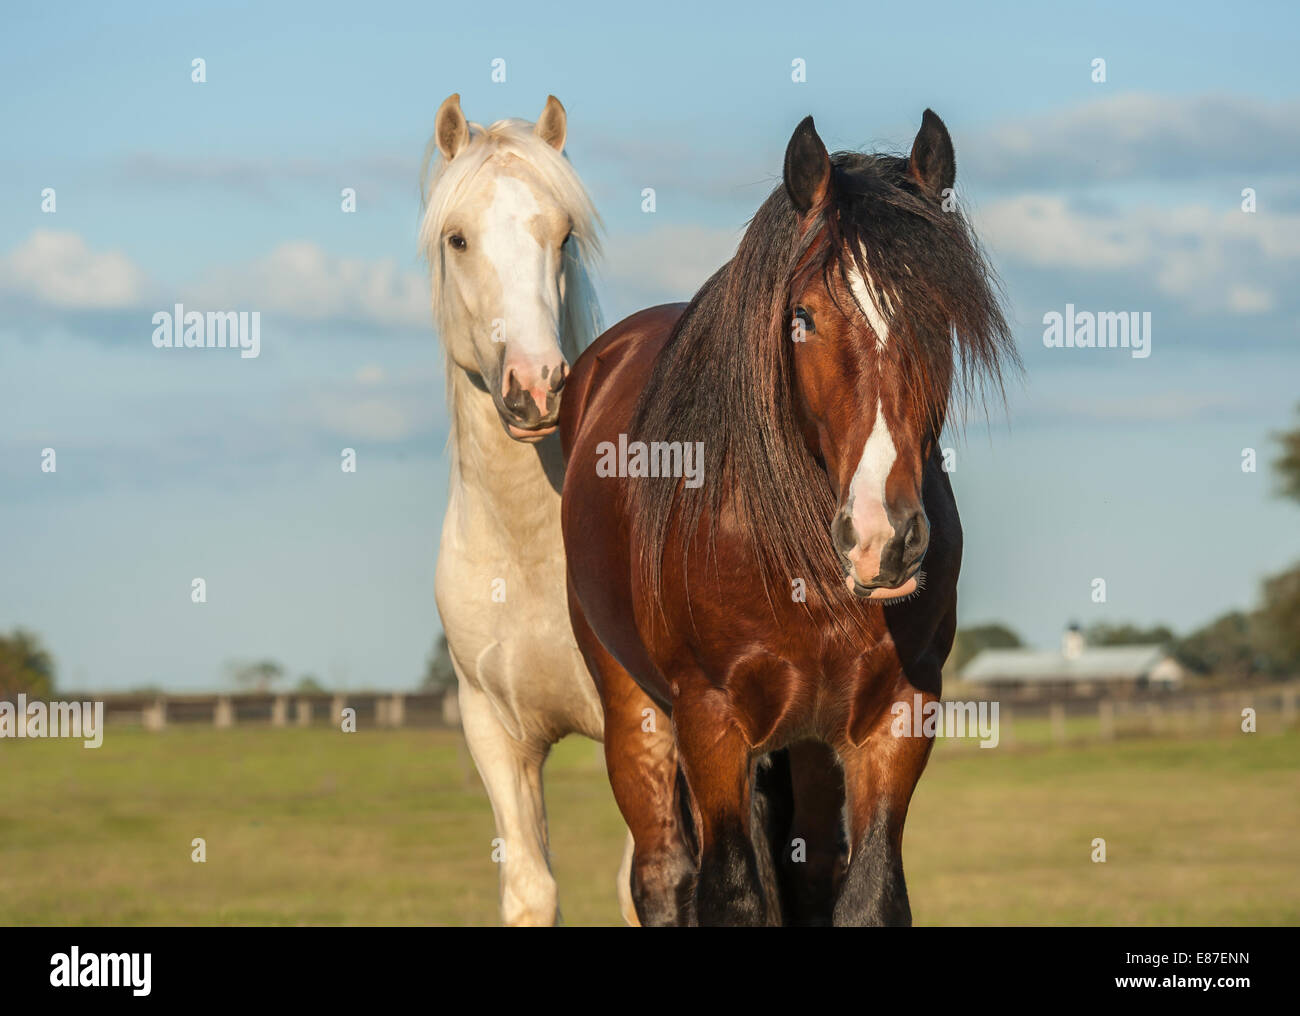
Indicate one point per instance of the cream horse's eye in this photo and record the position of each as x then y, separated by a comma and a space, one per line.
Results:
457, 241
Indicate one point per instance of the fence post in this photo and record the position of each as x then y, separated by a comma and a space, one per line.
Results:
1288, 706
155, 716
224, 713
1106, 719
279, 711
337, 705
1057, 714
451, 708
303, 711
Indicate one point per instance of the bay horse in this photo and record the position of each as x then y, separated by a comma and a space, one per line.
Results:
762, 543
508, 231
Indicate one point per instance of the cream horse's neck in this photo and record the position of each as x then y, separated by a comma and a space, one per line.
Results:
502, 491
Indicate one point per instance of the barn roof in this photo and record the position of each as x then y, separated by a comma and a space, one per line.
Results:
1094, 663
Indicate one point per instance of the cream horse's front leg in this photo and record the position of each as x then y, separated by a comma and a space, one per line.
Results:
512, 773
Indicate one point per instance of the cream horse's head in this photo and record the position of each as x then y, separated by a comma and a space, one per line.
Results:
507, 230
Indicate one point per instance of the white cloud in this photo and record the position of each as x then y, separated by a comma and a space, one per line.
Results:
1138, 136
669, 262
1214, 260
60, 272
303, 281
59, 269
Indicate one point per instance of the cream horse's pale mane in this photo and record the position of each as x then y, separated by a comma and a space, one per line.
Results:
444, 189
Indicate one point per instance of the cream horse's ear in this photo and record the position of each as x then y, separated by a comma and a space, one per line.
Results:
450, 128
552, 125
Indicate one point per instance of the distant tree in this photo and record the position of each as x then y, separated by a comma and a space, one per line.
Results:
439, 674
257, 676
1279, 616
1229, 646
1288, 463
970, 641
1279, 619
308, 685
25, 666
1103, 634
1263, 642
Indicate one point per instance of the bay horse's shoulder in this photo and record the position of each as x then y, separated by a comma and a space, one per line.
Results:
634, 343
642, 332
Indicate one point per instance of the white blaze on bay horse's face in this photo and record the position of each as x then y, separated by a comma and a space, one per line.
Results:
865, 510
503, 277
879, 531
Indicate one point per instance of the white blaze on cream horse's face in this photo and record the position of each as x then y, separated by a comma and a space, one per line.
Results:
504, 233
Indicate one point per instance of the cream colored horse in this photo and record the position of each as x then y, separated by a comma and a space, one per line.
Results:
507, 230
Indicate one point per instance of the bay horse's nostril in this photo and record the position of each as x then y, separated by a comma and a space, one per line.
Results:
917, 541
843, 535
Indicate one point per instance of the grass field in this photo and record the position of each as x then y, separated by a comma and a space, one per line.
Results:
310, 826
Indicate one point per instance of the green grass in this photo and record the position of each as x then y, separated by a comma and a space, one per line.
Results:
317, 827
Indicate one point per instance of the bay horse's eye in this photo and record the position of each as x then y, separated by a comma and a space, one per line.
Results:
457, 241
802, 315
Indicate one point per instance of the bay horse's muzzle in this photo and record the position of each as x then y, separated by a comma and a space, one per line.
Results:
885, 558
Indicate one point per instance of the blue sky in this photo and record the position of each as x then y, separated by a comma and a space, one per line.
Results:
1122, 195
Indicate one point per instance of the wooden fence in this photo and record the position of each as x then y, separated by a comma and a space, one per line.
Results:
1186, 714
1191, 714
372, 709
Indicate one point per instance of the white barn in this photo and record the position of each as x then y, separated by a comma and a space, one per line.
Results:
1075, 669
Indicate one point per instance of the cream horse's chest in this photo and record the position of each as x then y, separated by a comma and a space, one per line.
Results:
501, 595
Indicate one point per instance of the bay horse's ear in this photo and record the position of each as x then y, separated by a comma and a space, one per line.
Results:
450, 129
807, 168
552, 124
933, 164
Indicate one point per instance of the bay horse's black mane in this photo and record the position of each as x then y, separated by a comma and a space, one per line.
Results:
731, 350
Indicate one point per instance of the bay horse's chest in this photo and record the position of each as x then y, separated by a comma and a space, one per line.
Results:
782, 664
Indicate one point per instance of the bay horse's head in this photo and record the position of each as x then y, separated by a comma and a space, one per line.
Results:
888, 289
507, 226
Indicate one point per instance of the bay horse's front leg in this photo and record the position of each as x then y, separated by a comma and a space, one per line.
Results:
717, 762
814, 855
641, 759
880, 774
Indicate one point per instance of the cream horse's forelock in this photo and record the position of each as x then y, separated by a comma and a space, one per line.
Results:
443, 190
